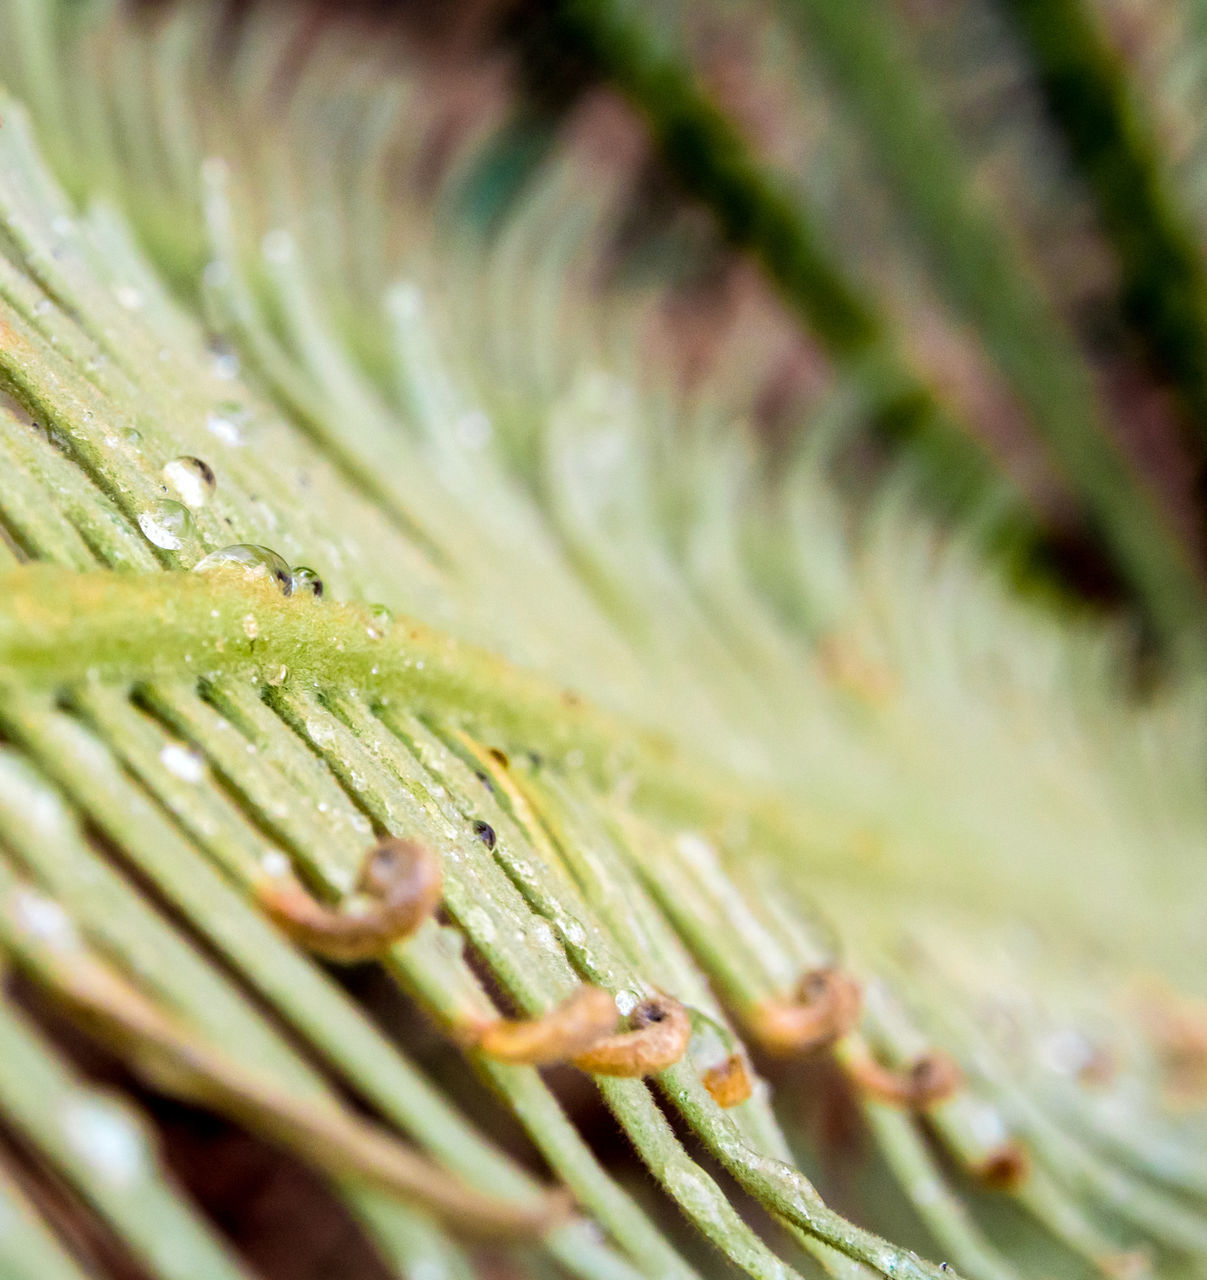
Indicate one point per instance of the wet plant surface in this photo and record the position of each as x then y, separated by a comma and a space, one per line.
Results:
481, 792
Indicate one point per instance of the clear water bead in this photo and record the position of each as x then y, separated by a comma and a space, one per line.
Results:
192, 479
381, 619
251, 559
186, 763
101, 1132
167, 524
225, 426
306, 582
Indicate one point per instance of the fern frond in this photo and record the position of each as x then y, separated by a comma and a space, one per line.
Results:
676, 715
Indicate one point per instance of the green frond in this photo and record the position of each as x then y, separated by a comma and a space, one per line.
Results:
678, 712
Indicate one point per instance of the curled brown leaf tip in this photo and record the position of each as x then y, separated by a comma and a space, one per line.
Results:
826, 1005
728, 1081
931, 1079
658, 1034
1005, 1168
580, 1021
1128, 1265
580, 1031
398, 888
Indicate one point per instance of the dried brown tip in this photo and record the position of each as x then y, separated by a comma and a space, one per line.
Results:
1005, 1168
1176, 1026
658, 1033
728, 1081
581, 1020
846, 666
1128, 1265
398, 888
827, 1005
932, 1078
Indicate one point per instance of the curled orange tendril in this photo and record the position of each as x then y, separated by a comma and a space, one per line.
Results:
581, 1030
398, 888
580, 1021
826, 1005
930, 1079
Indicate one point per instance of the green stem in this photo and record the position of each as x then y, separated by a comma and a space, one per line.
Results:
1114, 145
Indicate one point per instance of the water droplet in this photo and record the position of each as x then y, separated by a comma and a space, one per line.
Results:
277, 246
192, 479
106, 1138
259, 561
215, 274
1066, 1051
627, 1001
574, 933
473, 430
382, 618
431, 1268
306, 582
251, 628
41, 307
128, 296
406, 300
187, 763
43, 918
276, 676
986, 1124
275, 864
225, 428
710, 1044
486, 833
167, 524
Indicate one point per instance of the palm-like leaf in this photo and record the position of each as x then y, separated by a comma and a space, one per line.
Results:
720, 721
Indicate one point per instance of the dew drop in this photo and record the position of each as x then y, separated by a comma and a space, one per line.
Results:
574, 933
276, 676
225, 366
306, 582
192, 479
128, 296
473, 430
106, 1138
277, 246
381, 619
225, 428
186, 763
252, 559
43, 918
215, 274
275, 864
167, 524
710, 1045
627, 1001
406, 300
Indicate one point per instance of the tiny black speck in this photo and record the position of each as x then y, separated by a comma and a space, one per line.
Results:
486, 833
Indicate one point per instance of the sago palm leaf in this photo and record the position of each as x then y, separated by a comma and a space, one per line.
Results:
760, 750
